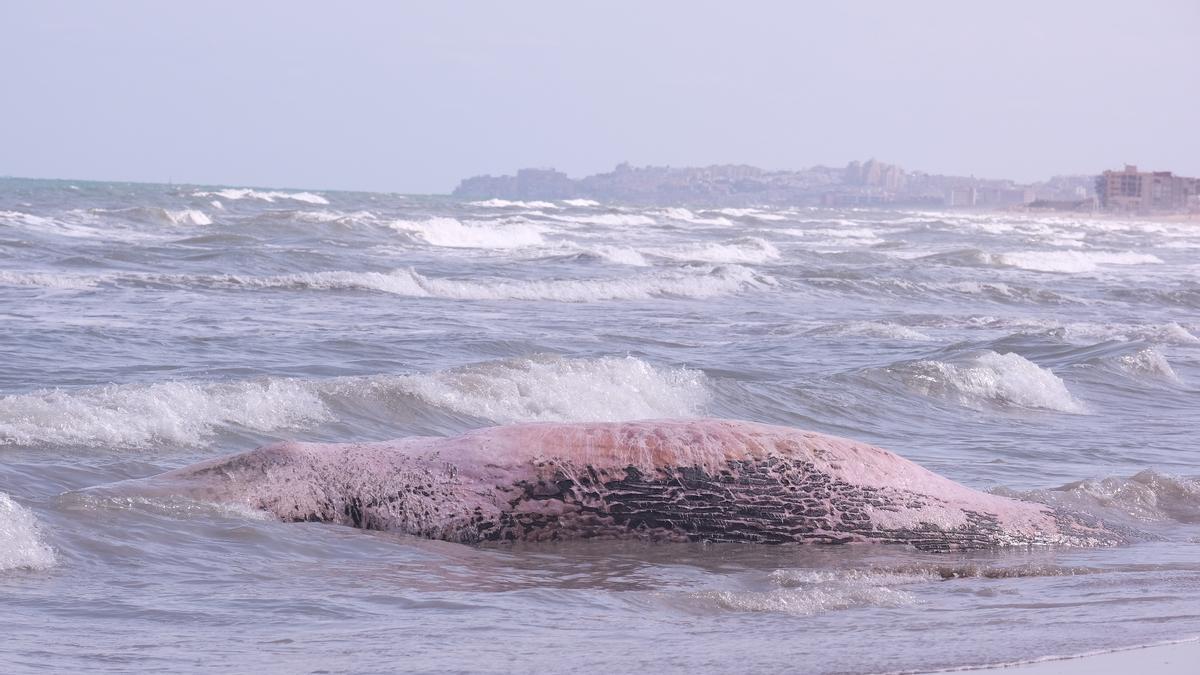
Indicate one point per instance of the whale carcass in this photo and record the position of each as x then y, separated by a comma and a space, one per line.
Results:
674, 480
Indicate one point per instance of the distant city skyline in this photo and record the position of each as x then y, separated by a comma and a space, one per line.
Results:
413, 98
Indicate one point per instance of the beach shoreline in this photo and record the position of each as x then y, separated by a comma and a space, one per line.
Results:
1178, 657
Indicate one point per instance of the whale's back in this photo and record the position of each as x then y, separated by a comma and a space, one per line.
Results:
688, 480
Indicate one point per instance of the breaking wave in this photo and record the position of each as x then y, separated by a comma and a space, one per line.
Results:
547, 388
872, 329
687, 216
752, 213
1084, 332
47, 280
21, 545
745, 250
505, 204
1148, 496
555, 389
809, 592
1148, 363
608, 219
988, 379
159, 216
450, 233
691, 283
1072, 261
134, 415
266, 196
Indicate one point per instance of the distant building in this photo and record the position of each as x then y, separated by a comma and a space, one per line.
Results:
961, 196
1145, 191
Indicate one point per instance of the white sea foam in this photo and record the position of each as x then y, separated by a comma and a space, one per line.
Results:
450, 233
556, 389
1147, 363
803, 602
581, 202
548, 388
21, 544
188, 217
48, 280
1148, 496
1082, 332
22, 218
865, 233
155, 215
806, 592
506, 204
873, 329
687, 216
609, 219
752, 213
990, 380
619, 254
692, 283
234, 194
134, 415
1072, 261
751, 250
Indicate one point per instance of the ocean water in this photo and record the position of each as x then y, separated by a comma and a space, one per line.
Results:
146, 327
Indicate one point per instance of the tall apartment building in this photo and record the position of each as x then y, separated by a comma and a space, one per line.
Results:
1145, 191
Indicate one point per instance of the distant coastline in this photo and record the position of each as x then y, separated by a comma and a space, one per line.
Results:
858, 184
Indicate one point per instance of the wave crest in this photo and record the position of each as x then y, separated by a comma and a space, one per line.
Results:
264, 195
1148, 496
134, 415
21, 545
556, 389
451, 233
989, 379
700, 283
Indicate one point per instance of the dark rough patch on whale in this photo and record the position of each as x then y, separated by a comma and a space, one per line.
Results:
685, 480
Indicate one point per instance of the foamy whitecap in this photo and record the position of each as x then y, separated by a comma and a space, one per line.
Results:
1072, 261
22, 218
619, 254
134, 415
793, 578
805, 592
747, 250
752, 213
21, 545
451, 233
581, 202
687, 216
1148, 496
188, 217
234, 194
1079, 332
990, 379
864, 234
608, 219
507, 204
803, 602
873, 329
48, 280
689, 283
556, 389
1147, 363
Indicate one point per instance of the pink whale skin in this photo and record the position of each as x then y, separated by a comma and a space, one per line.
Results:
675, 480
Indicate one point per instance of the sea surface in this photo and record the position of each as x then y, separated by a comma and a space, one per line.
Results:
146, 327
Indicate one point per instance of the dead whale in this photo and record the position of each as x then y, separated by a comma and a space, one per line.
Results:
674, 480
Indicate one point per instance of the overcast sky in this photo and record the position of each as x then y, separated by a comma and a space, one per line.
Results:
411, 97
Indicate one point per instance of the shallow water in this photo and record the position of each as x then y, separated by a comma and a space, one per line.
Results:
145, 327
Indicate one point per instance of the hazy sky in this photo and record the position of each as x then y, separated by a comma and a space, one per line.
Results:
411, 97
